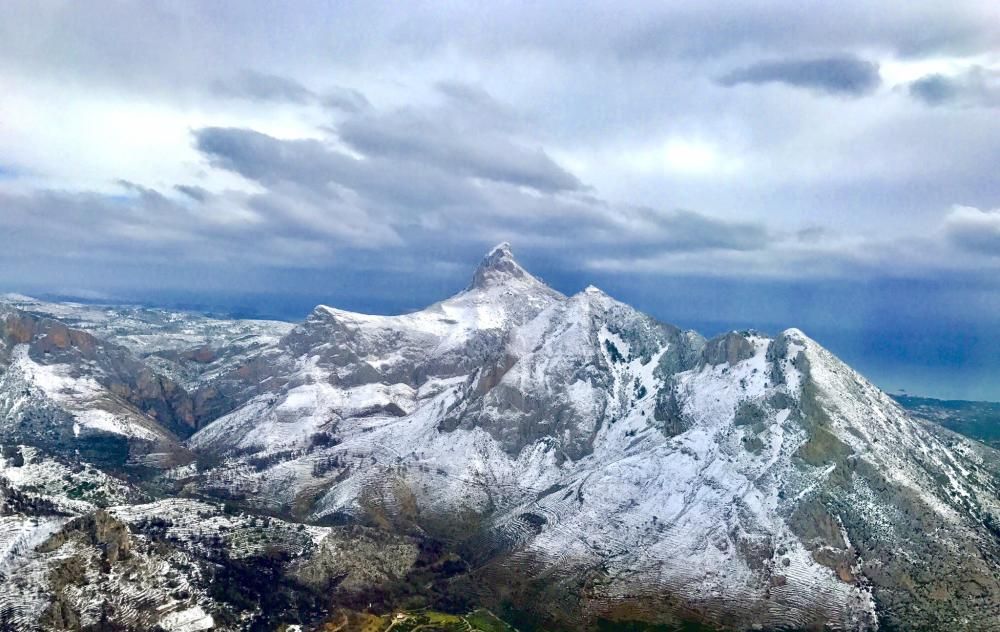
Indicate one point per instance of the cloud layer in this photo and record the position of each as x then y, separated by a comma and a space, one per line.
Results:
783, 142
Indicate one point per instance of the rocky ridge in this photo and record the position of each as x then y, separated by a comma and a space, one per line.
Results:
566, 458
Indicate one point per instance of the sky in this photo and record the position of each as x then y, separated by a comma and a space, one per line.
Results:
831, 166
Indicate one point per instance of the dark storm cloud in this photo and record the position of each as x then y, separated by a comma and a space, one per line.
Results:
976, 87
843, 75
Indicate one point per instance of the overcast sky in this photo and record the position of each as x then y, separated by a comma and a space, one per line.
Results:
828, 165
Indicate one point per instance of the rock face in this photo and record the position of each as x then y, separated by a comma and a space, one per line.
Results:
578, 366
70, 392
50, 342
566, 457
360, 558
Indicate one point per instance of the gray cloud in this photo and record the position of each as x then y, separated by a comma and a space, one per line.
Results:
317, 166
408, 184
287, 226
844, 75
319, 206
975, 86
451, 139
345, 100
424, 201
432, 151
688, 231
260, 157
911, 29
91, 225
260, 86
472, 179
813, 234
252, 85
934, 89
194, 192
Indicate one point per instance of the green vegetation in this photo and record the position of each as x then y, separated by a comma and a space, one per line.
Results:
486, 621
613, 353
427, 620
639, 626
90, 492
479, 620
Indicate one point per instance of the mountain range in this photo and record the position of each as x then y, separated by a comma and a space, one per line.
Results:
566, 462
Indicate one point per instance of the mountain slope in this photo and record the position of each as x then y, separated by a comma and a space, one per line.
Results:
567, 461
65, 390
340, 364
215, 361
189, 348
622, 468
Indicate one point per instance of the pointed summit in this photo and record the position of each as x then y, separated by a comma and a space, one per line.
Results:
499, 266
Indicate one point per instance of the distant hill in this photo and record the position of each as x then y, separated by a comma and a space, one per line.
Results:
977, 420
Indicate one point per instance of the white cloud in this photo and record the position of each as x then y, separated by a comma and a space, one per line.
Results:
974, 230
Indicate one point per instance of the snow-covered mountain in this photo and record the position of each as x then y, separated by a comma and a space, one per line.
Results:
576, 459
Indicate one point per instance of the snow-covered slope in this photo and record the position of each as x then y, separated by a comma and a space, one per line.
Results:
69, 392
745, 480
339, 364
191, 349
80, 550
576, 459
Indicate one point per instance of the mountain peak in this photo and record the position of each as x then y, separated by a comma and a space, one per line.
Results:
497, 267
501, 250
